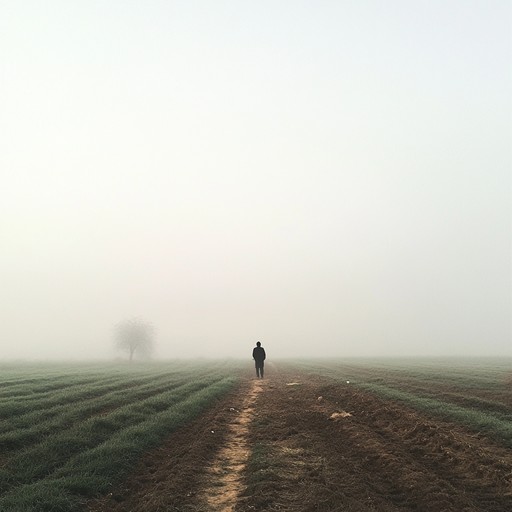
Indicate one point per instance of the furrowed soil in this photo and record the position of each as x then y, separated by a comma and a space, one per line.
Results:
302, 443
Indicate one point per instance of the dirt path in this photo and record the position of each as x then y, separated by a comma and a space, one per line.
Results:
223, 483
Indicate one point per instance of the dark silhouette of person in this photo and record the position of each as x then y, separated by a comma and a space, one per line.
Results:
258, 354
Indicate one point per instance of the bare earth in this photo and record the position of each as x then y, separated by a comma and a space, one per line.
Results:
223, 483
299, 443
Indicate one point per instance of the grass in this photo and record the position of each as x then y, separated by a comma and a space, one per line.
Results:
28, 427
475, 393
88, 435
496, 427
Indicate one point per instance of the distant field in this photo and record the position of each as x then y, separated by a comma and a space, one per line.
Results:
476, 393
410, 435
68, 431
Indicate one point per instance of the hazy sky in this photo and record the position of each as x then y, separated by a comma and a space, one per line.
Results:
328, 177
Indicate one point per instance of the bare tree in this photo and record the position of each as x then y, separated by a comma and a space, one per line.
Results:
135, 336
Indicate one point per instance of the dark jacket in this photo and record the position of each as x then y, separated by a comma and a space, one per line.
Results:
258, 354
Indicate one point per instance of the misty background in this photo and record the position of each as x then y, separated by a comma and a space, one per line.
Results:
330, 178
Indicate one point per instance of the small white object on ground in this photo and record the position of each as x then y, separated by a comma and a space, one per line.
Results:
338, 415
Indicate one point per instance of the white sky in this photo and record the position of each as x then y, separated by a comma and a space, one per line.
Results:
328, 177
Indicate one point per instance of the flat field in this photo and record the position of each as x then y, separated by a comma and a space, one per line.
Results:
69, 431
321, 435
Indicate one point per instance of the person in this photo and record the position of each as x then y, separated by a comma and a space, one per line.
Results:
258, 354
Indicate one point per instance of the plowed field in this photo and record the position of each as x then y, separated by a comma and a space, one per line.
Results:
298, 441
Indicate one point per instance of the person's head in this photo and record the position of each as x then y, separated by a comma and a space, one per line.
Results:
258, 344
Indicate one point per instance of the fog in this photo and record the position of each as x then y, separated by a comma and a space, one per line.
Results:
330, 178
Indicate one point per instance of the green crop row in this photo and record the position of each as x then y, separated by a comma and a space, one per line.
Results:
449, 372
465, 393
72, 393
89, 444
497, 427
29, 428
447, 390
